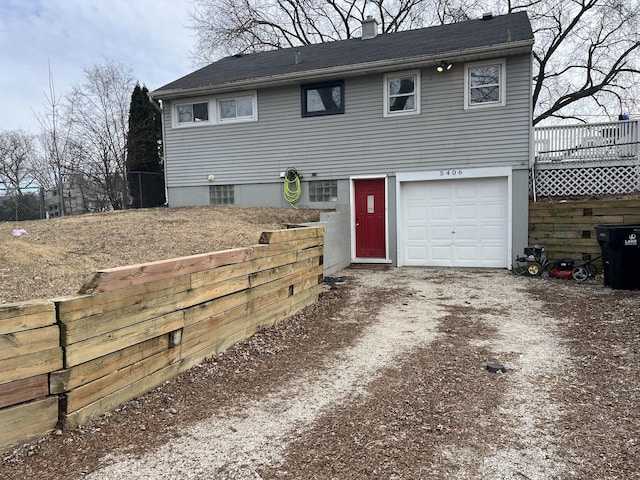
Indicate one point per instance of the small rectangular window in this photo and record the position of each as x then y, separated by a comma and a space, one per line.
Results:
221, 195
485, 84
401, 93
193, 112
323, 191
325, 98
240, 108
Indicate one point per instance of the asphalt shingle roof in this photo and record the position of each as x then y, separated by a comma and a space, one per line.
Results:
432, 41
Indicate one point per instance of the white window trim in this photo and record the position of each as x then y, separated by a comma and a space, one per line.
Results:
239, 96
503, 84
214, 110
386, 77
174, 114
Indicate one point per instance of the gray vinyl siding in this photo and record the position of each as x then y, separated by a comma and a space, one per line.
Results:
361, 141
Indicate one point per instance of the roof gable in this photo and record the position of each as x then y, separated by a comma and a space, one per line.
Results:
357, 54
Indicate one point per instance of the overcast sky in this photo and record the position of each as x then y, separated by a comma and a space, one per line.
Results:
150, 36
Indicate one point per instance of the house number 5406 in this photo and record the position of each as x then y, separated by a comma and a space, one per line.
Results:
449, 173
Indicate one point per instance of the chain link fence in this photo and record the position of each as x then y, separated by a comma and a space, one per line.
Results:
146, 190
26, 205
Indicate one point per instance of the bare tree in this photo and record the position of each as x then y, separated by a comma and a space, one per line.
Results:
99, 112
16, 152
585, 57
241, 26
55, 140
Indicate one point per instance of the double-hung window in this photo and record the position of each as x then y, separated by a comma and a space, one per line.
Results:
237, 108
485, 84
188, 113
401, 93
325, 98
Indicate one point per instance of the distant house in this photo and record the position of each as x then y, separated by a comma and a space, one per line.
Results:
423, 136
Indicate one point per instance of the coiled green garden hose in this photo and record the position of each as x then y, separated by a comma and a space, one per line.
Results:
292, 187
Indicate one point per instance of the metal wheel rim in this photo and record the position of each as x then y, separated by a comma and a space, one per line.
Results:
580, 274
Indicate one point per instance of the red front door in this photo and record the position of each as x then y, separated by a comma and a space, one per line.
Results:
370, 218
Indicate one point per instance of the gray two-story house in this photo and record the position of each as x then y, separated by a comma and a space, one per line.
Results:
422, 136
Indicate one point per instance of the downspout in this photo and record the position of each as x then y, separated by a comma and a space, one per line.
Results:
532, 134
164, 156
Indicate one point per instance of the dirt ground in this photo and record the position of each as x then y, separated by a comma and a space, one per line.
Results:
385, 377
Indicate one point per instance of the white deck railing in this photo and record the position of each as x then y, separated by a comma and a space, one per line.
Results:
588, 142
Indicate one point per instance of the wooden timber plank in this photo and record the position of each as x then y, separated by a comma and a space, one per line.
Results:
111, 401
73, 309
31, 307
20, 391
266, 250
305, 298
265, 276
130, 275
220, 305
93, 391
313, 252
17, 317
21, 422
213, 291
271, 316
195, 352
61, 381
233, 332
205, 330
107, 343
141, 311
289, 234
201, 279
198, 356
29, 341
30, 365
197, 313
581, 220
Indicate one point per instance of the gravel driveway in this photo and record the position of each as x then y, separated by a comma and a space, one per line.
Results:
386, 378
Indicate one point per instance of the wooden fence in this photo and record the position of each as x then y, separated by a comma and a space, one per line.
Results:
567, 229
67, 360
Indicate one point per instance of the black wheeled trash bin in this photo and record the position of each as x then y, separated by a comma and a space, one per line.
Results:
620, 255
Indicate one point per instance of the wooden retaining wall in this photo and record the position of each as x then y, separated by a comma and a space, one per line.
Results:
29, 351
567, 228
67, 360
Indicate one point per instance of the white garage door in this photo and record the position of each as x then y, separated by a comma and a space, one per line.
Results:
455, 223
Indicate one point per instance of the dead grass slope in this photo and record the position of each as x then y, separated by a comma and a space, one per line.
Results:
60, 254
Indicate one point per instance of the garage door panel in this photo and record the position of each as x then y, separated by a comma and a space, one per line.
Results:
416, 233
440, 233
468, 254
461, 222
492, 254
440, 255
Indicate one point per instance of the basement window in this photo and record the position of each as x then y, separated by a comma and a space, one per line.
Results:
323, 191
221, 195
